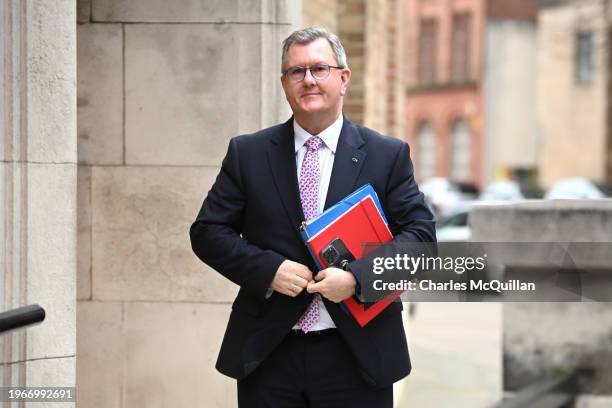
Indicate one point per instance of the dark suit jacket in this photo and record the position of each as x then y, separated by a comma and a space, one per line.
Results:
248, 226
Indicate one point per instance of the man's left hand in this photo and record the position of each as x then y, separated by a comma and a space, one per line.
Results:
334, 284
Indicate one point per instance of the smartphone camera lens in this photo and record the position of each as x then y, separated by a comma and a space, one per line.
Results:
330, 255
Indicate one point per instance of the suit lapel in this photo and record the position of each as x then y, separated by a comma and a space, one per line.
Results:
348, 162
281, 157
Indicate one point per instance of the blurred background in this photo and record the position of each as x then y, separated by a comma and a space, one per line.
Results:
116, 115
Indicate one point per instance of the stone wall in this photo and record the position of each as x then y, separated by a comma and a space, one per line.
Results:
38, 178
543, 339
162, 87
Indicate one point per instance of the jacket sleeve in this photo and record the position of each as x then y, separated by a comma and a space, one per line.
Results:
216, 233
410, 220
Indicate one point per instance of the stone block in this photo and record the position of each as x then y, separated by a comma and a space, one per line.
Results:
83, 11
101, 353
533, 351
194, 11
171, 353
54, 372
543, 221
593, 401
140, 243
137, 354
51, 258
190, 88
51, 88
572, 234
84, 232
100, 93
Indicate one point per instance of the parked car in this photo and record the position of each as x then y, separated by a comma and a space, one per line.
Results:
454, 227
506, 190
574, 188
441, 195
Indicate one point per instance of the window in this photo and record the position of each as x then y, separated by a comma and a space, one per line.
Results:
584, 57
460, 48
427, 51
426, 150
461, 152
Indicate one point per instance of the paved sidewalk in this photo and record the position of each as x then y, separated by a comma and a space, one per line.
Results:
456, 351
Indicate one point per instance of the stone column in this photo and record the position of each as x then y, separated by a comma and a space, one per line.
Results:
38, 175
162, 87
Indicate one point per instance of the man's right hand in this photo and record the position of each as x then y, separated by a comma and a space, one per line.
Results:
291, 278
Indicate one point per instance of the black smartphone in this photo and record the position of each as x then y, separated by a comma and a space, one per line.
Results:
336, 254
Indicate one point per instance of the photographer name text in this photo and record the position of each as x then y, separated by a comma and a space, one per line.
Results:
428, 285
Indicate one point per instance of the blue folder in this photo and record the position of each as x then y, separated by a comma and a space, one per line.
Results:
316, 224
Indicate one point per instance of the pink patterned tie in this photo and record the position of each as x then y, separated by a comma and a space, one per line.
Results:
309, 194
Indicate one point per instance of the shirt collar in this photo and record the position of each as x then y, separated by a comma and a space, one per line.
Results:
330, 135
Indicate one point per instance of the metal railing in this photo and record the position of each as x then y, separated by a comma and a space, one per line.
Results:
21, 317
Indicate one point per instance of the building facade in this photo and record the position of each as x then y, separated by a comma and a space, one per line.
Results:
573, 88
470, 88
511, 129
443, 73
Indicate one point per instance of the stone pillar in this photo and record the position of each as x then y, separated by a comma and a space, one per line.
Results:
162, 87
38, 176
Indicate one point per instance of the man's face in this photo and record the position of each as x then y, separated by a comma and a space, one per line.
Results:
311, 96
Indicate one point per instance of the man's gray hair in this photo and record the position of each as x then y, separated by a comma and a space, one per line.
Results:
308, 35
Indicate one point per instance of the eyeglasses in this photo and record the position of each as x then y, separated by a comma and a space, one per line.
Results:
318, 72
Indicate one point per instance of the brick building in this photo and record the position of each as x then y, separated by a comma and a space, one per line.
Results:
444, 88
445, 72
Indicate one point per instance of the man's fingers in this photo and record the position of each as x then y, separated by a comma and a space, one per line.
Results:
300, 282
303, 273
291, 278
294, 290
313, 286
321, 275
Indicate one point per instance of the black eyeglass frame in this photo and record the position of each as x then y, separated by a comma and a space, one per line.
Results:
287, 72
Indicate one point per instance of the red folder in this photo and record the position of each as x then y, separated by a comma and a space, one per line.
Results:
358, 227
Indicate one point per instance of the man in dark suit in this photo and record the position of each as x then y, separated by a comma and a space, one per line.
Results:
288, 343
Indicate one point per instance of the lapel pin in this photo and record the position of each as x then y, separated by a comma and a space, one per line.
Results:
355, 159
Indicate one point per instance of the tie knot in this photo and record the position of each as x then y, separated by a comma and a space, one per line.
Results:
314, 143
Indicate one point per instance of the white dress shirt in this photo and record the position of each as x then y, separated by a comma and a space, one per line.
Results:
327, 151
